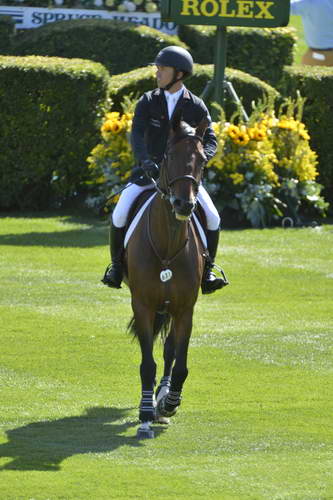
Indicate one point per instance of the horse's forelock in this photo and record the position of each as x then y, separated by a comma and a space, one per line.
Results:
180, 127
184, 128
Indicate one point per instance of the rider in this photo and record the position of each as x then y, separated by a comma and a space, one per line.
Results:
149, 135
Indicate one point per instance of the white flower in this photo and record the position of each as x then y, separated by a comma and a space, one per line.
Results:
98, 3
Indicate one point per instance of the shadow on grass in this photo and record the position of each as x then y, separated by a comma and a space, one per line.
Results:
44, 445
75, 238
94, 231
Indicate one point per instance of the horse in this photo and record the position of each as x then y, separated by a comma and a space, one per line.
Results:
164, 262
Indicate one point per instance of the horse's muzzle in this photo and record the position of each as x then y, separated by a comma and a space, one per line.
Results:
183, 209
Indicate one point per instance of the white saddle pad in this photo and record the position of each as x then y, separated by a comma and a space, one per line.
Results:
140, 213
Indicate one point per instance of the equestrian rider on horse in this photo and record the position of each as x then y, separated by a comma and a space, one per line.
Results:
150, 130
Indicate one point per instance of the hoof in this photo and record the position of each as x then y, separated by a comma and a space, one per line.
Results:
145, 431
161, 420
163, 411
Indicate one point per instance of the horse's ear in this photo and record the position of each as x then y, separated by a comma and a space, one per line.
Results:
176, 119
201, 128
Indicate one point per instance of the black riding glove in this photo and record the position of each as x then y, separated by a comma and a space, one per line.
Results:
150, 169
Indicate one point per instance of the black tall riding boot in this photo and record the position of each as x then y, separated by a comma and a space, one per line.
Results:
210, 282
114, 272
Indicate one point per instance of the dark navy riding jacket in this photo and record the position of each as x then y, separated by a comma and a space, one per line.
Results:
151, 125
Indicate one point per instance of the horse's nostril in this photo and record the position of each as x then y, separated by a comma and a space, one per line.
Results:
183, 206
189, 206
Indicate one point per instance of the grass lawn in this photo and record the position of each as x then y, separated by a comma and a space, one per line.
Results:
256, 418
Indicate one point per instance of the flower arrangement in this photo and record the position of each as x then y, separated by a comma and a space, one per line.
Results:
111, 161
149, 6
265, 169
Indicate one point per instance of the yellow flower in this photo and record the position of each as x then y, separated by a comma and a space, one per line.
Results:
257, 133
216, 127
288, 124
232, 131
107, 126
304, 135
116, 127
242, 138
260, 134
237, 178
114, 115
127, 117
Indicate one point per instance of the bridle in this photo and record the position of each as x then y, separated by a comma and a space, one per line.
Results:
167, 193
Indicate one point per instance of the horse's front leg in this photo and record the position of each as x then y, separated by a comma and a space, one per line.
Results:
168, 404
169, 357
165, 382
144, 330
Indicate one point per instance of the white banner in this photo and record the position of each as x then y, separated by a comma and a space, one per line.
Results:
33, 17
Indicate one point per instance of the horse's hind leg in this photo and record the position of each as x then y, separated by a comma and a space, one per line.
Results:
167, 405
144, 319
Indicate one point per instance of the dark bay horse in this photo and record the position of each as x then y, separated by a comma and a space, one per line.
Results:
165, 260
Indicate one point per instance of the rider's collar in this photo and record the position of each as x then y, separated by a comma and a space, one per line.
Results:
175, 95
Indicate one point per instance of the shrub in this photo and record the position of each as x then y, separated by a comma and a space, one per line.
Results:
119, 46
7, 27
50, 110
137, 82
315, 83
262, 52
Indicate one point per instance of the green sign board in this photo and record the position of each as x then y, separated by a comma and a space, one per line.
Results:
250, 13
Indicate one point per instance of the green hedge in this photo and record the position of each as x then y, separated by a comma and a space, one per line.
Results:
138, 81
7, 27
119, 46
316, 84
50, 115
262, 52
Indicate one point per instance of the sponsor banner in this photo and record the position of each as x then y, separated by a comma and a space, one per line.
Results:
33, 17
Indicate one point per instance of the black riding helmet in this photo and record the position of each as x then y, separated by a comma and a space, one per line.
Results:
175, 57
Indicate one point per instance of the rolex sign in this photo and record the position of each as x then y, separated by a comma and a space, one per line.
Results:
251, 13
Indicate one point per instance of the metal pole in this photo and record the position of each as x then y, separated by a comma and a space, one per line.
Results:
219, 68
230, 88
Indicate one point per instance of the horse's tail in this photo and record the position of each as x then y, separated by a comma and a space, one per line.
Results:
161, 325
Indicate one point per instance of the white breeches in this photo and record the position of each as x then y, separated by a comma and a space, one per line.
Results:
127, 197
